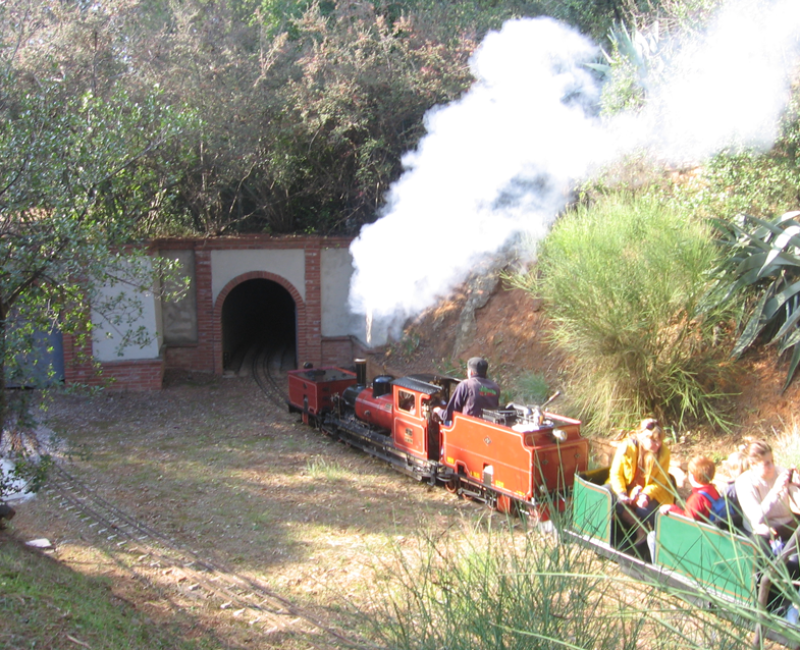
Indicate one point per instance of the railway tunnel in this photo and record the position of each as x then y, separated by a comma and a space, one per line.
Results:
256, 315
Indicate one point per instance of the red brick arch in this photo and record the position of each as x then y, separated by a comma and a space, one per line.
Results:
257, 275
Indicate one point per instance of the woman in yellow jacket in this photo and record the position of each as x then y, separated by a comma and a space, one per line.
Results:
639, 477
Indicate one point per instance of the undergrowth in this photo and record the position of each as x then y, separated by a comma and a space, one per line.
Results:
44, 604
623, 280
505, 587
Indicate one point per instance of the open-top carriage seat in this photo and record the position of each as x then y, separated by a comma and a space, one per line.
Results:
724, 563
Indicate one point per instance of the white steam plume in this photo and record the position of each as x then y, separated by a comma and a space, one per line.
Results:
726, 91
502, 159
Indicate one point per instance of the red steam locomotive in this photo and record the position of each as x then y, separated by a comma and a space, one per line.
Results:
519, 459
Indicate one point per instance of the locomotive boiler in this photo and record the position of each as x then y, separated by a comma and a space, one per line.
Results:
519, 458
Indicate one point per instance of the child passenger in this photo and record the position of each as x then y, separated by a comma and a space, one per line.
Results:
698, 505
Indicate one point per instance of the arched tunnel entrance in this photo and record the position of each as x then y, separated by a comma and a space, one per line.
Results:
258, 314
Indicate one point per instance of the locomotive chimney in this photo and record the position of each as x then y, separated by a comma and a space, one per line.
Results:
361, 372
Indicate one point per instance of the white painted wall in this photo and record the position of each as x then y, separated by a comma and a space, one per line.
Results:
336, 270
227, 265
143, 311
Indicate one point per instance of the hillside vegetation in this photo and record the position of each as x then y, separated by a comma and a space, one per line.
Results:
286, 117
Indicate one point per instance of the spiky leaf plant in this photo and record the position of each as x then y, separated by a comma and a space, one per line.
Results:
763, 267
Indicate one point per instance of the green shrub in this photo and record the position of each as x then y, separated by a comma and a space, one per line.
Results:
529, 388
622, 281
751, 182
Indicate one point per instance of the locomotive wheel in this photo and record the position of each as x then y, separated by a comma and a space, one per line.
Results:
451, 485
503, 504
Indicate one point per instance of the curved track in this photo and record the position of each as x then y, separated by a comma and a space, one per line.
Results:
262, 361
148, 555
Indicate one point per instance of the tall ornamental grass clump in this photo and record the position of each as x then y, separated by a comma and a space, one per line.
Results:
622, 280
510, 589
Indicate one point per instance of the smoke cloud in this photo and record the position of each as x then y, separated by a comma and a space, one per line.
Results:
502, 160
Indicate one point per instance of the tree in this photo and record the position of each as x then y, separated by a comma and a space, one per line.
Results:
352, 106
78, 179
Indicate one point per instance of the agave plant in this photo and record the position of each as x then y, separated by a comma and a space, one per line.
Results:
765, 262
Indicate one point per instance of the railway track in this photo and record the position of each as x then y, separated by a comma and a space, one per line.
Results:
261, 363
179, 574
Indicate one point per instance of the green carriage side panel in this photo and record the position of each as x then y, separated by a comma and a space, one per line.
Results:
591, 508
719, 561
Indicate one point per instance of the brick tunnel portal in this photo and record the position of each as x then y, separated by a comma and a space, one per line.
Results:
258, 314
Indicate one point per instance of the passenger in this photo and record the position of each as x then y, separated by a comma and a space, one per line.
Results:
472, 395
734, 465
639, 478
767, 495
704, 493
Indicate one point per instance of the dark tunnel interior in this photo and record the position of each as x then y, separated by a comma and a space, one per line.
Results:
258, 313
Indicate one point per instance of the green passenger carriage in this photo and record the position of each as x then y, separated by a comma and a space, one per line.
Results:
712, 566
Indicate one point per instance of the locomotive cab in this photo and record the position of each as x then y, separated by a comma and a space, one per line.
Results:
414, 429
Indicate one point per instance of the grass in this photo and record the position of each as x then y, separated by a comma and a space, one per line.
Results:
320, 467
623, 280
39, 609
305, 516
508, 588
786, 446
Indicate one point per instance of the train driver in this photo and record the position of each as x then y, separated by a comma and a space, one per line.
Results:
472, 395
639, 477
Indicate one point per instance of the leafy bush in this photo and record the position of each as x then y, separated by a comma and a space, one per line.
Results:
749, 182
764, 260
623, 280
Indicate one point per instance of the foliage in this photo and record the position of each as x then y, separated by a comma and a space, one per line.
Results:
750, 182
39, 608
596, 17
763, 261
27, 473
626, 68
76, 185
623, 280
516, 589
786, 446
640, 48
530, 388
351, 107
306, 108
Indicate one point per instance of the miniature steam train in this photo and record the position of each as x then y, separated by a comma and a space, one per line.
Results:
530, 461
520, 459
